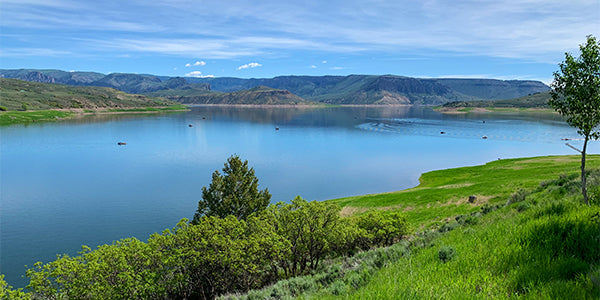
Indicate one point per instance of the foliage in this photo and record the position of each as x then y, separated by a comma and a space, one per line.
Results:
233, 193
7, 291
446, 253
576, 95
382, 229
313, 230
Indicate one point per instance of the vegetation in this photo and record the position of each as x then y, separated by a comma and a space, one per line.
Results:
541, 243
233, 193
19, 117
536, 100
576, 95
526, 235
26, 102
258, 95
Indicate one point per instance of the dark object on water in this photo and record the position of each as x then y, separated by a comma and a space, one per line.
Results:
472, 199
442, 132
121, 143
484, 137
203, 118
565, 139
483, 121
276, 128
190, 125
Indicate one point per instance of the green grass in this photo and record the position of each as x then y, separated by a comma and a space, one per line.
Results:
444, 193
537, 242
23, 117
549, 251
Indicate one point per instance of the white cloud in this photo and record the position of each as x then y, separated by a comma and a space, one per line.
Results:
337, 68
324, 61
198, 74
250, 65
313, 66
198, 63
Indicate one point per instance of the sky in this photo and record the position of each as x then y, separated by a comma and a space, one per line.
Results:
503, 39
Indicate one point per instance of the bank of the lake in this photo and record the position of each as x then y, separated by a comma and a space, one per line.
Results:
53, 115
75, 185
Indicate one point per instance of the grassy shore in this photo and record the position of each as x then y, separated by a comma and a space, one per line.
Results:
527, 236
33, 116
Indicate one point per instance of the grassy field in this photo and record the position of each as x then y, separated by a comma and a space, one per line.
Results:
445, 193
21, 117
527, 236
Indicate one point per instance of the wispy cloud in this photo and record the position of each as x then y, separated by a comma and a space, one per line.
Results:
249, 65
313, 67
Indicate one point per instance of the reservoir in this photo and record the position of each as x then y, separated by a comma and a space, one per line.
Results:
70, 183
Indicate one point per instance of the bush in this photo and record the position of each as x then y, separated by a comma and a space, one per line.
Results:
523, 206
446, 254
519, 196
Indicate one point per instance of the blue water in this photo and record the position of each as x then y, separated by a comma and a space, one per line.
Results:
67, 184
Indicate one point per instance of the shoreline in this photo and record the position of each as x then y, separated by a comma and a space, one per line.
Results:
485, 110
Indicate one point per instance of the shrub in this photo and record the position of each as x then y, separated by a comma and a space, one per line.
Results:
3, 108
523, 206
519, 196
446, 254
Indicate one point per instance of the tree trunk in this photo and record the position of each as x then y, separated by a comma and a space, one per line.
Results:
583, 175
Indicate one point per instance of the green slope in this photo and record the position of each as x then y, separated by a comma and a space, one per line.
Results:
537, 100
527, 236
260, 95
18, 95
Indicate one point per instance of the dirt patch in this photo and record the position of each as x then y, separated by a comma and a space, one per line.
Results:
455, 186
349, 210
481, 200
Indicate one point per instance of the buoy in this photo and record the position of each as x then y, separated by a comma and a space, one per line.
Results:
121, 143
484, 137
276, 128
190, 125
203, 118
442, 132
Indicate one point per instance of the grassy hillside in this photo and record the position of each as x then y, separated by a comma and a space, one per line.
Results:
537, 100
25, 101
527, 236
260, 95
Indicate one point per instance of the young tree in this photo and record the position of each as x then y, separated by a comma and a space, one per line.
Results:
576, 95
233, 193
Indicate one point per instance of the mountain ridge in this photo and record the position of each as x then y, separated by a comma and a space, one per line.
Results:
330, 89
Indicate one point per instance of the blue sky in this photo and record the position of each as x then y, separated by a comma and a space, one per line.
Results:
521, 39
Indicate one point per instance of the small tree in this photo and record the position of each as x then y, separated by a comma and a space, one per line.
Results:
233, 193
576, 95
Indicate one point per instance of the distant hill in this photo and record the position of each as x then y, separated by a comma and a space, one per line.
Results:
20, 95
352, 89
537, 100
384, 89
257, 95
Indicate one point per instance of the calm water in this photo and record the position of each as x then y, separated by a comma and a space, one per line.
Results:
66, 184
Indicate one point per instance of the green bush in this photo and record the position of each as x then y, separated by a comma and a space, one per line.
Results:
446, 254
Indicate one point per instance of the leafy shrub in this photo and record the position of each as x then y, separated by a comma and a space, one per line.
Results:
446, 254
519, 196
448, 227
3, 108
523, 206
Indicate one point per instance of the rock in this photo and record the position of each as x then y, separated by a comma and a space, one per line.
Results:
472, 199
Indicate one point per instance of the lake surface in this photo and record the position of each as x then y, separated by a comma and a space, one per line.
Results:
66, 184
